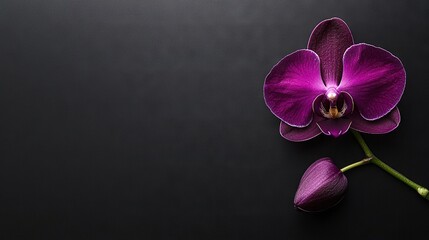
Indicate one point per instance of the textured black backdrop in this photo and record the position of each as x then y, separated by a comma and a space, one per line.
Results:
145, 120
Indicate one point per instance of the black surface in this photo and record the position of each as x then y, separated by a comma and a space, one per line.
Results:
145, 120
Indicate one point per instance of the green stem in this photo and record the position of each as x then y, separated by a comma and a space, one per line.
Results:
356, 164
424, 192
363, 144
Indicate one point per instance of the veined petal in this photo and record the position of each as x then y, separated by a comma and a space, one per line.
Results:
295, 134
330, 39
335, 127
292, 85
383, 125
374, 77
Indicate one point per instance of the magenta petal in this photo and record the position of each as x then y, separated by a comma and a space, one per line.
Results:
299, 134
329, 40
383, 125
321, 187
292, 85
335, 127
374, 77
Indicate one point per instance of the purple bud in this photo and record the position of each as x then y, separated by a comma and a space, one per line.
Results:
322, 186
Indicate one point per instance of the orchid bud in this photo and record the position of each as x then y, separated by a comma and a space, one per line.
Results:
321, 187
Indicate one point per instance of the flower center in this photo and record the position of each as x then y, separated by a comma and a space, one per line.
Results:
333, 112
334, 107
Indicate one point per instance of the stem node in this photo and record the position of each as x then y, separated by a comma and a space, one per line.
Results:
423, 192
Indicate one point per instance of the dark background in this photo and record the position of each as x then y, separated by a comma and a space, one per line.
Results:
146, 120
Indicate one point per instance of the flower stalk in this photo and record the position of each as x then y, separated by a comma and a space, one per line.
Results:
356, 164
371, 158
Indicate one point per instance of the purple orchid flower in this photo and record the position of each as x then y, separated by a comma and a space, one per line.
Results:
335, 85
321, 187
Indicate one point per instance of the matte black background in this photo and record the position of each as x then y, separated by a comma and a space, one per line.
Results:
145, 120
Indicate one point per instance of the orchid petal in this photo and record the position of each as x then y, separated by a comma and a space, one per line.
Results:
335, 127
300, 134
291, 87
374, 77
330, 39
383, 125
